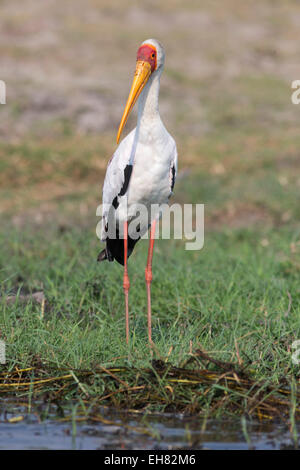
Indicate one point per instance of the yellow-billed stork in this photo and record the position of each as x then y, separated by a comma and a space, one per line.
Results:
142, 171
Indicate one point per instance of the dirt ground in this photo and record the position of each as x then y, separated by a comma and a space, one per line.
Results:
70, 63
225, 97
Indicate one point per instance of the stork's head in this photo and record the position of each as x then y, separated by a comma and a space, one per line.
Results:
152, 52
150, 60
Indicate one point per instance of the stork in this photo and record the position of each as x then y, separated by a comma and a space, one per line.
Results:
142, 171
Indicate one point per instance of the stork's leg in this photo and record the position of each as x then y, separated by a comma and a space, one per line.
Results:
148, 276
126, 283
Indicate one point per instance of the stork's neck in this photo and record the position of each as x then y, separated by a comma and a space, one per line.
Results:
148, 113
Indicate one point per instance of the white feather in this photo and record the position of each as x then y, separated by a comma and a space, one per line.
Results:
152, 152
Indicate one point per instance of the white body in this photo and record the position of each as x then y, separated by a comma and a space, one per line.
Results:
152, 152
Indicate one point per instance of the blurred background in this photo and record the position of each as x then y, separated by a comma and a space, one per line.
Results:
225, 97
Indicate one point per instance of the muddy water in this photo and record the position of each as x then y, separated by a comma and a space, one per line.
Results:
32, 431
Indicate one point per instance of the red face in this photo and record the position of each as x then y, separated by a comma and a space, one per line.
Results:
147, 53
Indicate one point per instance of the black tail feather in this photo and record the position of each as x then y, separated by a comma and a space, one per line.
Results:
115, 250
102, 256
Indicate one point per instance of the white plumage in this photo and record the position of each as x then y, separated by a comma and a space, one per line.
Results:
150, 156
141, 173
152, 177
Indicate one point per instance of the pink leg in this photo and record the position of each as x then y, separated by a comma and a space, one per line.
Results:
148, 276
126, 283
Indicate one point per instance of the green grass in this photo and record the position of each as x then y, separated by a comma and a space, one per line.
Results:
231, 299
237, 298
226, 99
233, 290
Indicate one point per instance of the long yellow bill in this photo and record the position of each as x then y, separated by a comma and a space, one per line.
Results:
141, 76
